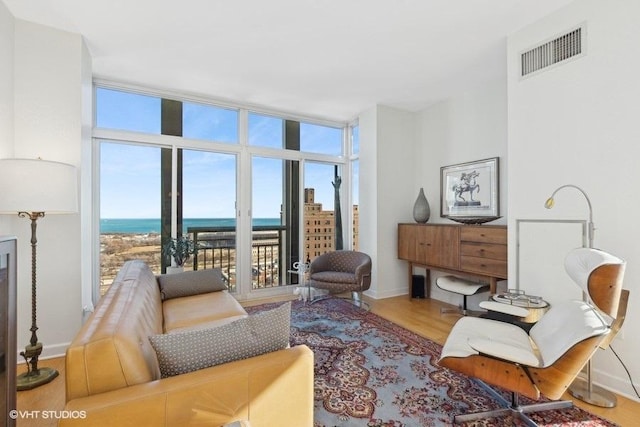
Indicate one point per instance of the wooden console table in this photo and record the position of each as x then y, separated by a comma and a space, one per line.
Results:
472, 250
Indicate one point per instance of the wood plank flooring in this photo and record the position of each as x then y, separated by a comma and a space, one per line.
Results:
49, 397
421, 316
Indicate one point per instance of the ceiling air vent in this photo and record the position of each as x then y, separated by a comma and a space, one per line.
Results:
569, 45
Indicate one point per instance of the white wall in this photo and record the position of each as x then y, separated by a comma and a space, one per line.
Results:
49, 69
578, 123
386, 172
6, 92
403, 151
368, 193
6, 82
468, 127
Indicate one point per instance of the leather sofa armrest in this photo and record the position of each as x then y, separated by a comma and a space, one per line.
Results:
272, 389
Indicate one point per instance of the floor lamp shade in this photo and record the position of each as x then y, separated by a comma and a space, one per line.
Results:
31, 189
29, 185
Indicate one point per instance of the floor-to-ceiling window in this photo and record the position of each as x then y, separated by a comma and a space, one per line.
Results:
129, 207
324, 230
235, 181
209, 210
269, 225
273, 205
130, 179
323, 191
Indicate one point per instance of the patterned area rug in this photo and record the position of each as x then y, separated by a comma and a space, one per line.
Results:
373, 373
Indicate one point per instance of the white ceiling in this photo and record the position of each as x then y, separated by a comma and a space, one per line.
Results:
327, 58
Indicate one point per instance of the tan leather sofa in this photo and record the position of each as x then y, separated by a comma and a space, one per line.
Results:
113, 378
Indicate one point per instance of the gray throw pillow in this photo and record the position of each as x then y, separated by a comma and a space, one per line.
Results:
190, 283
189, 351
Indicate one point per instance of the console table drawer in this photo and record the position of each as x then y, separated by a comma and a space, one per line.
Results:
483, 234
482, 250
486, 266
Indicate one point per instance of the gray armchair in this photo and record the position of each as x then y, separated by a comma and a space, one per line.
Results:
342, 271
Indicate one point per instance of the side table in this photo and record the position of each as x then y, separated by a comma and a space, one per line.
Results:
301, 269
515, 307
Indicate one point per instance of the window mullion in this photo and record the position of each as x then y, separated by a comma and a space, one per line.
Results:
243, 210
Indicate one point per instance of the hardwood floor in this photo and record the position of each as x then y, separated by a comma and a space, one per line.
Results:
421, 316
49, 397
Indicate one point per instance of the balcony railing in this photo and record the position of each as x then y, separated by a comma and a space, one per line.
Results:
216, 248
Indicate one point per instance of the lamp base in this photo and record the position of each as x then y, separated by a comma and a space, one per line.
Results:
30, 380
594, 395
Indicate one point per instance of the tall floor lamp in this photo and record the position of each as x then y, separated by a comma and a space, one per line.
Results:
32, 188
582, 388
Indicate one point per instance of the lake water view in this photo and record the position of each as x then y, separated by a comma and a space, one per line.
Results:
152, 225
123, 239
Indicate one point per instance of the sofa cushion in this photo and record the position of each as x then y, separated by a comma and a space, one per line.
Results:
190, 283
183, 352
201, 311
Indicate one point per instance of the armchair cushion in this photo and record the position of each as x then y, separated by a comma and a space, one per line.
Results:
334, 277
190, 283
517, 353
564, 325
183, 352
473, 335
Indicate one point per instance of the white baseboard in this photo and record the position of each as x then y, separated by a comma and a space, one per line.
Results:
614, 384
50, 351
396, 292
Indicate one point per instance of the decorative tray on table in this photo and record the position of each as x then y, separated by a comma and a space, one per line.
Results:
473, 219
520, 299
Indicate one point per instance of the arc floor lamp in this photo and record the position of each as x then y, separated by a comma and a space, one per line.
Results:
32, 188
582, 388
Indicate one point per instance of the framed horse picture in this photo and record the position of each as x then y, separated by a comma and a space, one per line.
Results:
470, 190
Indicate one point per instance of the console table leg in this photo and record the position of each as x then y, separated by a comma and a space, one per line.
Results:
427, 283
410, 276
493, 285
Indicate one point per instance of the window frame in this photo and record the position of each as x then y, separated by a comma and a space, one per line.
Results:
243, 152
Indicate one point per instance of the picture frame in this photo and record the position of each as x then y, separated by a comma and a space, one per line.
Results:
470, 190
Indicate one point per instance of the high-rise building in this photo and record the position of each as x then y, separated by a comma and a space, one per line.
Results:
319, 227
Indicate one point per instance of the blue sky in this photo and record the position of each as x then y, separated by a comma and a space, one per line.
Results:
130, 174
